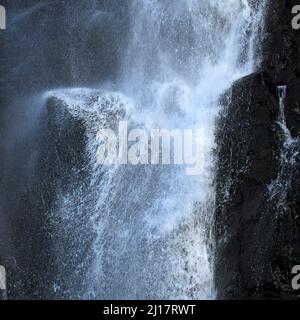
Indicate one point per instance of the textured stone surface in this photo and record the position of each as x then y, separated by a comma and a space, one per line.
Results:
256, 246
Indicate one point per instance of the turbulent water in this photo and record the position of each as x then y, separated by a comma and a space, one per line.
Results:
143, 232
152, 224
287, 159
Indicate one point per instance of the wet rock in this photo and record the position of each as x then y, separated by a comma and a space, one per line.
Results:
256, 246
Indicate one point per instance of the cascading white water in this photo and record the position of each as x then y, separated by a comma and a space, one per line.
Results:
279, 188
152, 223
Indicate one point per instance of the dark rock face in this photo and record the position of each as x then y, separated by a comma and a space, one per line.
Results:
70, 224
38, 154
257, 246
30, 257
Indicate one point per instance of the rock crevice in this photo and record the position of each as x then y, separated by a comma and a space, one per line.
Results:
257, 246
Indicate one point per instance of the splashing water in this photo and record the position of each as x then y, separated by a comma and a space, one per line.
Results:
151, 225
279, 188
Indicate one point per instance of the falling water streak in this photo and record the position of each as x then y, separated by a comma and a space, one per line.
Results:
279, 188
152, 224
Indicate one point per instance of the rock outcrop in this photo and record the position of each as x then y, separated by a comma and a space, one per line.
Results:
256, 244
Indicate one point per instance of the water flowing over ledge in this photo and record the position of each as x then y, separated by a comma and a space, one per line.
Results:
152, 226
123, 231
281, 186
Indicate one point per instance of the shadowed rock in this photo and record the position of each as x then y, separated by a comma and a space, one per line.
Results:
256, 245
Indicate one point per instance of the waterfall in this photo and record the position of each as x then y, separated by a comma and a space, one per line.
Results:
279, 188
144, 232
